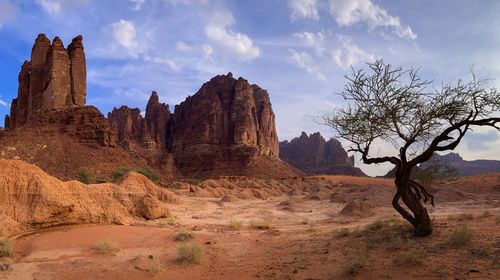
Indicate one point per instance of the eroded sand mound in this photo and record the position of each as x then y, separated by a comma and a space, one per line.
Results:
32, 199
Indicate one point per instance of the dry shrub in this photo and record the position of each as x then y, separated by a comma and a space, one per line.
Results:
155, 268
260, 224
415, 256
105, 246
356, 262
461, 237
461, 217
5, 247
235, 224
184, 235
189, 253
343, 232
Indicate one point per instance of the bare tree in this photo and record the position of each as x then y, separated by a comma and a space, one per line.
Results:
390, 104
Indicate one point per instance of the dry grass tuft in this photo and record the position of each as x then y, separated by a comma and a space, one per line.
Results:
190, 253
105, 246
167, 222
184, 235
343, 232
415, 256
356, 262
461, 217
155, 268
260, 225
5, 247
461, 237
235, 224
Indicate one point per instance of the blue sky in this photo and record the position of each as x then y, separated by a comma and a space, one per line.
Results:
299, 50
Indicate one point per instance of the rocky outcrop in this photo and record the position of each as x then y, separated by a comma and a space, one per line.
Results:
54, 79
315, 156
30, 199
229, 113
153, 132
158, 122
225, 127
78, 71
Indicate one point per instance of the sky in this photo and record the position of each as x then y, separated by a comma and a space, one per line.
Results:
298, 50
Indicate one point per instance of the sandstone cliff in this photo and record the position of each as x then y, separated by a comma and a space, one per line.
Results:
55, 78
226, 128
314, 155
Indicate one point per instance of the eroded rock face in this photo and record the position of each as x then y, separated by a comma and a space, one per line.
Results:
226, 125
31, 199
54, 79
78, 71
226, 112
153, 132
314, 155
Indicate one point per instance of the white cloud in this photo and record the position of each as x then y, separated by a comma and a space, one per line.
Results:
303, 60
186, 2
137, 4
183, 47
349, 12
124, 33
314, 40
52, 7
233, 43
3, 103
303, 9
350, 54
163, 61
7, 11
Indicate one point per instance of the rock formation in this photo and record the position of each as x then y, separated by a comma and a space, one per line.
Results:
313, 155
30, 199
153, 132
226, 128
227, 122
55, 78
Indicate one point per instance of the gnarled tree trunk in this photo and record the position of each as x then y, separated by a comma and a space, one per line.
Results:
411, 193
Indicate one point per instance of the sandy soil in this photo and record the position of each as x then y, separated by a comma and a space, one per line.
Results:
306, 239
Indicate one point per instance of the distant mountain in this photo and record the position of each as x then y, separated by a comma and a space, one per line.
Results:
465, 167
462, 167
315, 156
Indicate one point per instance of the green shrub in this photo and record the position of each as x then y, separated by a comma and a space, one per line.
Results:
105, 246
461, 237
150, 174
189, 253
118, 173
85, 176
5, 247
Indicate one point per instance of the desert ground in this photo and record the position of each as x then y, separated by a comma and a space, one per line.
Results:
322, 227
